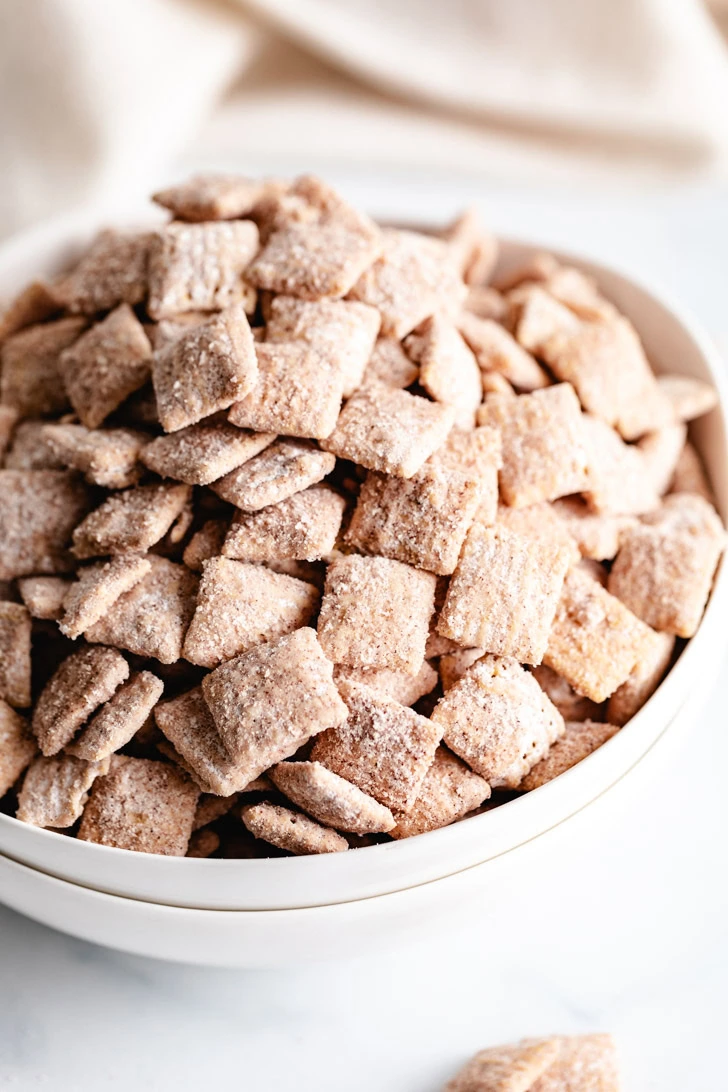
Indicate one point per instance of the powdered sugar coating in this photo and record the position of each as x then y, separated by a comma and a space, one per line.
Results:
96, 588
15, 664
30, 379
398, 685
284, 468
199, 267
303, 527
448, 370
579, 740
112, 271
506, 1068
453, 665
107, 457
130, 521
119, 719
315, 260
203, 453
55, 790
331, 799
44, 595
17, 746
448, 791
498, 351
290, 830
642, 681
585, 1063
82, 682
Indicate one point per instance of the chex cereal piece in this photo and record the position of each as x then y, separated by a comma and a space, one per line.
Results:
240, 605
390, 365
55, 790
664, 569
38, 511
449, 371
398, 685
618, 479
375, 613
290, 830
163, 333
199, 267
538, 266
578, 741
580, 294
486, 302
96, 588
415, 277
595, 640
15, 654
475, 249
389, 430
17, 746
642, 682
302, 527
690, 476
189, 726
571, 705
205, 370
84, 680
210, 808
112, 271
453, 665
119, 719
269, 701
596, 535
31, 375
661, 450
141, 805
107, 457
585, 1063
30, 450
34, 304
498, 719
538, 317
544, 447
504, 593
448, 792
205, 543
689, 398
203, 453
476, 454
44, 595
515, 1068
284, 468
331, 799
151, 619
129, 521
211, 197
498, 351
9, 418
203, 843
298, 392
383, 747
342, 331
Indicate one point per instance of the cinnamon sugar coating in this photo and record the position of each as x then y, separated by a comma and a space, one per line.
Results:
190, 727
689, 398
112, 271
498, 351
106, 457
18, 747
203, 453
515, 1068
618, 478
390, 365
119, 719
570, 704
212, 197
15, 663
449, 371
55, 790
690, 476
33, 304
44, 595
84, 680
448, 792
31, 378
331, 799
404, 688
96, 588
642, 681
579, 740
131, 521
282, 469
303, 527
585, 1063
290, 830
205, 543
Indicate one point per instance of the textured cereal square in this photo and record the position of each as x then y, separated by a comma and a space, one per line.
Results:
189, 726
290, 830
203, 453
498, 351
398, 685
205, 543
690, 475
55, 790
204, 370
453, 665
643, 680
130, 521
331, 799
661, 450
212, 197
112, 271
539, 317
15, 654
498, 719
38, 511
240, 605
538, 266
106, 457
375, 613
203, 843
539, 521
476, 454
210, 807
44, 595
579, 292
571, 705
474, 249
34, 304
303, 527
284, 468
486, 302
389, 430
269, 701
449, 371
84, 680
32, 382
689, 398
382, 747
145, 806
199, 267
315, 260
151, 619
390, 365
507, 1068
597, 535
17, 746
585, 1063
30, 450
119, 719
96, 588
448, 792
579, 740
618, 479
595, 640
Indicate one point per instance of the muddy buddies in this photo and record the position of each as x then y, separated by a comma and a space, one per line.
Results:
316, 534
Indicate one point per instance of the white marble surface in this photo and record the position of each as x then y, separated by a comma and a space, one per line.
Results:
629, 936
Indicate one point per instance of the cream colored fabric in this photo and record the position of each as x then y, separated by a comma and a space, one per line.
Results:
98, 97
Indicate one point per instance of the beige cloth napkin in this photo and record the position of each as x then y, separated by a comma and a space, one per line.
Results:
99, 97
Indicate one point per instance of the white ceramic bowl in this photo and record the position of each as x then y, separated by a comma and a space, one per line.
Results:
674, 344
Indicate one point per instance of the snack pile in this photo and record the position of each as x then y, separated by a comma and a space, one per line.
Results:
315, 533
577, 1063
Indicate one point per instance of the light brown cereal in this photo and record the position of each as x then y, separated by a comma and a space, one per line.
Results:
475, 452
585, 1063
315, 260
498, 719
544, 447
579, 740
580, 294
34, 304
84, 680
571, 705
30, 449
504, 593
449, 371
506, 1068
44, 595
107, 457
203, 453
595, 640
390, 365
145, 806
475, 250
38, 511
290, 830
331, 799
538, 317
96, 588
112, 271
498, 351
540, 522
240, 605
618, 479
17, 746
204, 370
205, 543
486, 302
690, 476
212, 197
189, 726
32, 382
689, 398
375, 613
596, 535
203, 843
55, 790
151, 619
453, 665
8, 420
130, 521
644, 679
302, 527
210, 808
284, 468
382, 747
398, 685
661, 450
448, 792
119, 719
538, 266
15, 654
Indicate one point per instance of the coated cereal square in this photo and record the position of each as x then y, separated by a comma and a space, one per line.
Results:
498, 351
203, 453
15, 654
587, 1063
619, 482
35, 303
643, 680
390, 365
116, 722
96, 588
331, 799
82, 682
313, 260
290, 830
449, 371
29, 449
448, 792
514, 1068
190, 727
38, 512
398, 685
130, 521
44, 595
205, 543
579, 740
17, 746
106, 457
212, 197
31, 381
55, 790
112, 271
596, 534
303, 527
282, 469
689, 398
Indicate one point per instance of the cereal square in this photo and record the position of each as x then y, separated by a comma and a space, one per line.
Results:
331, 799
112, 271
661, 450
618, 479
130, 521
643, 680
690, 476
587, 1063
212, 197
375, 613
448, 792
514, 1068
55, 790
303, 527
38, 511
597, 535
290, 830
205, 543
390, 365
17, 746
119, 719
475, 249
32, 382
498, 351
689, 398
30, 449
203, 843
15, 654
539, 317
35, 303
96, 588
84, 680
486, 302
314, 261
203, 453
106, 457
453, 665
398, 685
189, 726
571, 705
579, 740
284, 468
449, 371
44, 595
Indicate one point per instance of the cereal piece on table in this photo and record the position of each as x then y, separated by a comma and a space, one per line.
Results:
284, 468
32, 382
595, 640
130, 521
34, 304
644, 679
571, 705
544, 444
398, 685
107, 457
107, 364
498, 351
205, 370
145, 806
585, 1063
44, 595
290, 830
486, 302
199, 267
38, 511
416, 276
538, 266
513, 1068
203, 453
577, 742
618, 479
342, 331
112, 271
84, 680
298, 392
30, 450
382, 747
689, 398
448, 370
448, 792
538, 317
375, 613
453, 665
389, 430
240, 605
211, 197
96, 588
269, 701
390, 365
211, 807
504, 593
189, 726
119, 719
664, 569
203, 843
15, 626
597, 536
17, 746
661, 450
151, 619
475, 250
303, 527
331, 799
205, 543
9, 418
690, 476
55, 790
